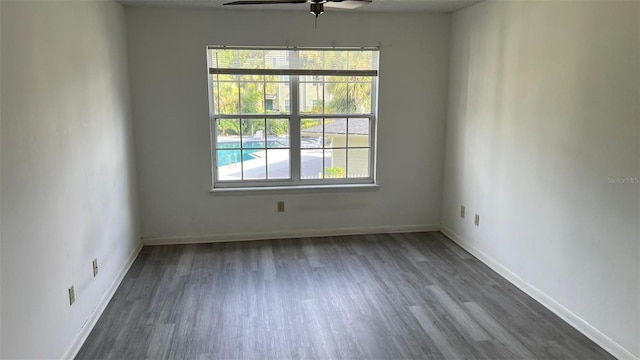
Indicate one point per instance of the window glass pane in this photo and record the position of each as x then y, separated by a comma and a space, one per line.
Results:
335, 132
311, 164
254, 166
238, 58
225, 77
226, 97
227, 133
252, 97
311, 97
276, 98
251, 78
276, 59
311, 135
335, 162
277, 78
358, 163
311, 59
335, 60
360, 60
316, 79
359, 132
277, 133
360, 98
253, 133
278, 163
229, 164
336, 101
280, 59
216, 97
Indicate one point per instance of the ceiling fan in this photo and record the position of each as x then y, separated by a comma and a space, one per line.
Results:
316, 6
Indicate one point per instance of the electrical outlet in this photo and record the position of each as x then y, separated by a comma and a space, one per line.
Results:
280, 206
477, 222
462, 211
95, 267
72, 295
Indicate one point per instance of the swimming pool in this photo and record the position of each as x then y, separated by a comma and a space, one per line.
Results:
236, 155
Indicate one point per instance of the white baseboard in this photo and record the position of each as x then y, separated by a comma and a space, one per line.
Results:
284, 234
565, 314
72, 351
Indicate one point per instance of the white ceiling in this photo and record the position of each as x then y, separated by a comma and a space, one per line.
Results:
436, 6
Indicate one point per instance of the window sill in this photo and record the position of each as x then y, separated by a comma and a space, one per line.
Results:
303, 188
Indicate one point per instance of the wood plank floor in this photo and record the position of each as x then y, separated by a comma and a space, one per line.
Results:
387, 296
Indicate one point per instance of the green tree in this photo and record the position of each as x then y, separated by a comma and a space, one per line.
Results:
334, 172
228, 127
278, 127
351, 95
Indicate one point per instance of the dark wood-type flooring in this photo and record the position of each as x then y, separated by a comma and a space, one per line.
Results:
386, 296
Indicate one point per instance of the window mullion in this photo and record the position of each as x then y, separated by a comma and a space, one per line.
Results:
294, 126
265, 133
213, 127
324, 151
373, 122
347, 146
241, 152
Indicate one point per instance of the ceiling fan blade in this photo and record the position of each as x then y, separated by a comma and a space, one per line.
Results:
264, 2
346, 4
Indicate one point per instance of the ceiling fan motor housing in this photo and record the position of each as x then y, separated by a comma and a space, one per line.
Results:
317, 8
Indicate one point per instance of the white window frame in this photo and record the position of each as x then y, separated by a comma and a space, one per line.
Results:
295, 116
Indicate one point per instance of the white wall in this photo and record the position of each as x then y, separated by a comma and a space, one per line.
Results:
169, 90
0, 188
68, 185
544, 108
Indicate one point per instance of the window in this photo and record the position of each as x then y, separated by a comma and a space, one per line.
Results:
292, 117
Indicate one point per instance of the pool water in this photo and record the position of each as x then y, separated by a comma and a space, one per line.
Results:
236, 155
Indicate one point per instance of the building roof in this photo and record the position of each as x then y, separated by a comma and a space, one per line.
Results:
339, 126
